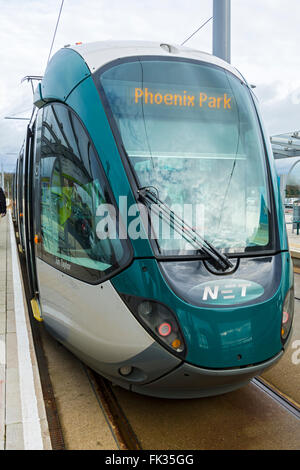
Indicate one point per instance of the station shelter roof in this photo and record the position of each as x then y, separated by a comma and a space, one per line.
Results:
286, 145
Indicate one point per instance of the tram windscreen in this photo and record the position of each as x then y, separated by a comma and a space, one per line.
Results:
191, 132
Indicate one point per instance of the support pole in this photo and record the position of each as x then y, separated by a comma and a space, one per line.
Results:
222, 29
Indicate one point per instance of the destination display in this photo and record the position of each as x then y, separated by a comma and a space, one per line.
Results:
184, 99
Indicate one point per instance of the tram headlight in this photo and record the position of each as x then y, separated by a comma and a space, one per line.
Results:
159, 321
287, 314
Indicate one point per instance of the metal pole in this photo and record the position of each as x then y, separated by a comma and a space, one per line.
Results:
222, 29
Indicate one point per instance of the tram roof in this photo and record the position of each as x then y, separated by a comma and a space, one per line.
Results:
97, 54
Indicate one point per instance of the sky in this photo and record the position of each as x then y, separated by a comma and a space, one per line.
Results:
264, 47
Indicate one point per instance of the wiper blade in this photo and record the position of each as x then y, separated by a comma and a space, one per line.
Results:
188, 233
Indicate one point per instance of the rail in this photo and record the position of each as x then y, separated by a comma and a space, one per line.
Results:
277, 395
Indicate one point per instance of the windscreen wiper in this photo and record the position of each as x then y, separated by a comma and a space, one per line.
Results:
187, 232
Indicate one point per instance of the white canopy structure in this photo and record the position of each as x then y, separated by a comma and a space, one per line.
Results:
288, 170
286, 145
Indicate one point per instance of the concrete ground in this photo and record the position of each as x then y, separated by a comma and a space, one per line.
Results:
246, 419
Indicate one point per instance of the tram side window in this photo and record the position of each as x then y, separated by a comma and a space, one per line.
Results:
73, 188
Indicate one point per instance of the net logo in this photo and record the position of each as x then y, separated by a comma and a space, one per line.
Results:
228, 292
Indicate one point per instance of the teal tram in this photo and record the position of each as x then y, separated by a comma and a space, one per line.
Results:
150, 218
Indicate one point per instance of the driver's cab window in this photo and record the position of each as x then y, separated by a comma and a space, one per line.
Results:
73, 192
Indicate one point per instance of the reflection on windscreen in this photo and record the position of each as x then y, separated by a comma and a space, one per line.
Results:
190, 130
293, 183
72, 190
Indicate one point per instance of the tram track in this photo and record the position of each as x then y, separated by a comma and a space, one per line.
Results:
126, 436
118, 421
277, 395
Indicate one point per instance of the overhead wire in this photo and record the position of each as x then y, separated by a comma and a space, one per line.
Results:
54, 35
202, 26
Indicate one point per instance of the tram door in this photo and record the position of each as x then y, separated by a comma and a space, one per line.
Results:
15, 204
20, 215
13, 198
28, 207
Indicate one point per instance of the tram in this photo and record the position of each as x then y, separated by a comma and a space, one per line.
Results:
150, 218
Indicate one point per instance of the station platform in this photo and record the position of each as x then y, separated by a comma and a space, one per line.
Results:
23, 423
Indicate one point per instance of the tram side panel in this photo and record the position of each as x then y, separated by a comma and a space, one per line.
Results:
88, 317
